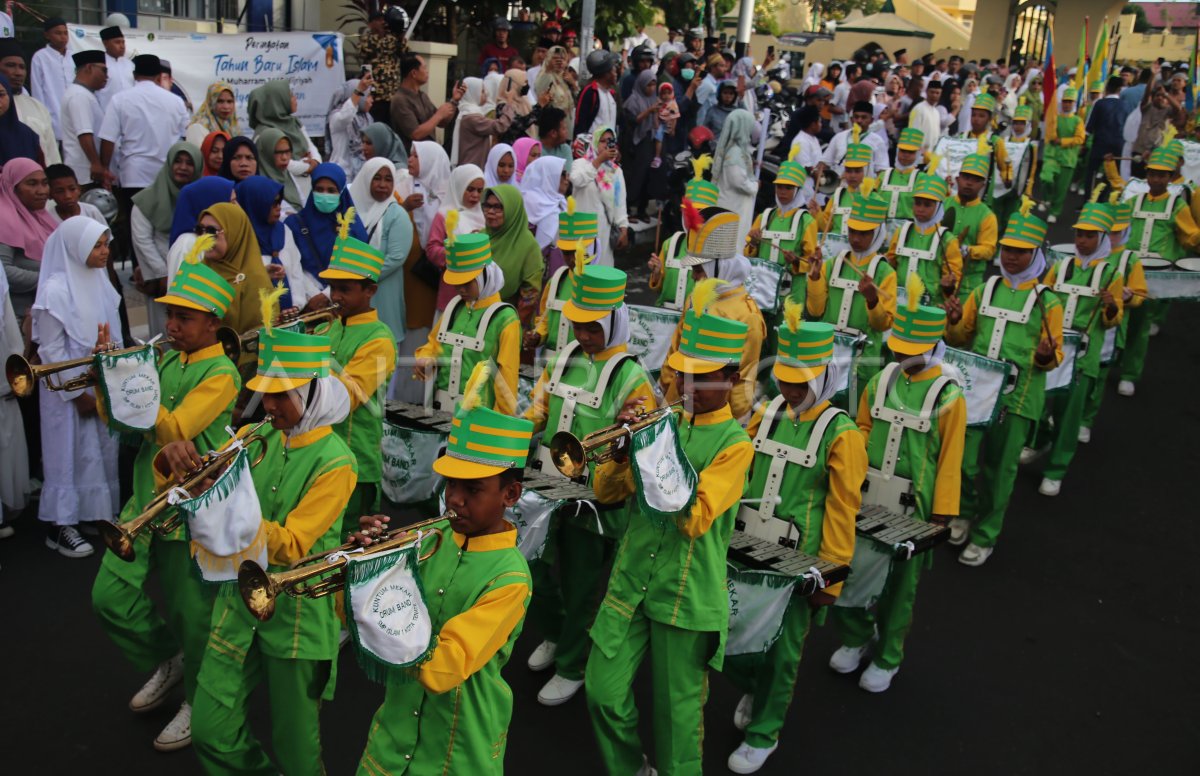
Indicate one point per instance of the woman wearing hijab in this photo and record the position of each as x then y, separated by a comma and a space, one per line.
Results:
465, 194
260, 198
315, 227
480, 123
240, 160
150, 227
552, 79
218, 113
235, 256
501, 165
194, 199
514, 248
379, 139
525, 151
430, 169
17, 141
514, 91
348, 116
733, 170
599, 186
276, 149
272, 106
641, 116
391, 231
212, 150
75, 302
545, 186
25, 225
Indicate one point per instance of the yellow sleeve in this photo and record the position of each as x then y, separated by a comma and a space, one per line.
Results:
539, 407
863, 419
198, 410
952, 258
748, 250
984, 248
469, 640
891, 249
1076, 139
370, 367
721, 486
432, 347
817, 293
1114, 288
620, 487
741, 399
1136, 283
847, 462
1002, 159
508, 363
962, 334
542, 326
756, 419
809, 240
1113, 176
1054, 322
1186, 229
952, 425
319, 509
880, 317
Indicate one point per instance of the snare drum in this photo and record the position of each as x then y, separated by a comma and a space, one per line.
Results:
1061, 251
1190, 264
1156, 265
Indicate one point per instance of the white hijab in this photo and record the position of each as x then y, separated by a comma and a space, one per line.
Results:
469, 219
1036, 268
323, 402
1102, 252
821, 389
472, 104
370, 212
77, 296
540, 188
491, 280
616, 326
493, 161
433, 180
813, 76
938, 215
876, 243
733, 271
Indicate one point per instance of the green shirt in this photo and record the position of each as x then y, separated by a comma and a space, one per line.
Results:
969, 217
1163, 242
363, 429
467, 321
1089, 311
896, 186
674, 247
931, 270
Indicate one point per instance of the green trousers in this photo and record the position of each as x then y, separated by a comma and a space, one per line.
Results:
128, 615
679, 680
771, 678
363, 501
891, 616
1054, 190
1091, 408
221, 732
1068, 417
1137, 336
991, 457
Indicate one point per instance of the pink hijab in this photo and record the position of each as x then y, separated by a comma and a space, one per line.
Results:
521, 150
21, 227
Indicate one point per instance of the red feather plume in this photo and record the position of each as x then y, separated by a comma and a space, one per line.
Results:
692, 220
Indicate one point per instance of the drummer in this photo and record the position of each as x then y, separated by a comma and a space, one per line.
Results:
1064, 138
974, 223
922, 245
576, 234
896, 184
581, 390
856, 180
671, 279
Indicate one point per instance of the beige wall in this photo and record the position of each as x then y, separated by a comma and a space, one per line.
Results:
1143, 47
948, 33
844, 44
991, 33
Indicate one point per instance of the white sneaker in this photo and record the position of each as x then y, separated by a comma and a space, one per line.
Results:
1042, 207
168, 674
748, 759
1050, 219
646, 769
1155, 329
542, 657
1050, 487
974, 555
178, 732
959, 528
743, 712
876, 679
6, 531
1030, 454
1126, 388
69, 543
559, 690
847, 659
1085, 435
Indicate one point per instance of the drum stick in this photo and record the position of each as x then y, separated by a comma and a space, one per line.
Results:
1045, 318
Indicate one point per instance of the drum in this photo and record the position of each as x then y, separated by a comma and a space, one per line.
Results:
1060, 251
1190, 264
1156, 265
1020, 155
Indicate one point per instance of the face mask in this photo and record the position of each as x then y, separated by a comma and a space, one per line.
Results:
326, 203
688, 73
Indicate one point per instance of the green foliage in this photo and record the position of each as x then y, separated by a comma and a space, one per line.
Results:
1141, 23
839, 9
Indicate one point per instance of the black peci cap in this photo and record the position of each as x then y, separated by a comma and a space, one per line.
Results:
89, 57
147, 66
52, 22
111, 33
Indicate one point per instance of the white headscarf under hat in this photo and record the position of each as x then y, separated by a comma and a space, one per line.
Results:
821, 388
1103, 249
1036, 268
733, 271
77, 296
616, 327
491, 280
324, 401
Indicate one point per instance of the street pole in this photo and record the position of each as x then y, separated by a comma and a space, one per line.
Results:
745, 20
587, 30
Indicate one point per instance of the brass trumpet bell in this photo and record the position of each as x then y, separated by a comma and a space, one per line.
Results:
571, 455
23, 376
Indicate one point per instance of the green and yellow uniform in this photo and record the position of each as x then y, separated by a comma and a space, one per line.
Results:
1064, 139
837, 212
977, 229
674, 283
896, 185
932, 253
790, 229
576, 231
997, 150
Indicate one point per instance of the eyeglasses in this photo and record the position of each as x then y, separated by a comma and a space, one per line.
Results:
498, 206
284, 152
213, 231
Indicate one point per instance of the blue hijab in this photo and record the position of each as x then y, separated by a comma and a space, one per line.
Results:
315, 231
257, 196
194, 199
16, 139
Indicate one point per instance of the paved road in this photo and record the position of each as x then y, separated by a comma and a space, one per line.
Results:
1068, 653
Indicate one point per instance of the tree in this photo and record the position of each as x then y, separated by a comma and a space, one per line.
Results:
839, 9
1140, 24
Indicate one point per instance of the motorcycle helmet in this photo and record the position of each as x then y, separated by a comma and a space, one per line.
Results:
104, 201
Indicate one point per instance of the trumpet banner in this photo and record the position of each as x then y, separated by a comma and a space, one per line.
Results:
663, 477
982, 380
386, 613
130, 389
650, 332
758, 600
225, 523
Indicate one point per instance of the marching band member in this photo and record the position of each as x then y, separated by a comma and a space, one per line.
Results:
582, 390
364, 350
475, 326
198, 387
991, 146
576, 233
1091, 292
856, 291
855, 183
1064, 138
303, 484
899, 401
820, 496
923, 246
1016, 319
713, 254
787, 228
974, 222
666, 593
668, 276
454, 717
896, 184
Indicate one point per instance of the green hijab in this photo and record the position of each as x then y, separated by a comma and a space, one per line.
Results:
514, 247
387, 144
157, 201
266, 142
270, 105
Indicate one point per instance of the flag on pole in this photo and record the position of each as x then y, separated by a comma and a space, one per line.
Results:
1193, 67
1081, 66
1050, 79
1100, 54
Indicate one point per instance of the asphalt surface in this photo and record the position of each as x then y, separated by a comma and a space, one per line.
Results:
1069, 652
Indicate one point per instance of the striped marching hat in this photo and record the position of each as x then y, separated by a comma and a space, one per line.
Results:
199, 287
466, 257
288, 359
595, 294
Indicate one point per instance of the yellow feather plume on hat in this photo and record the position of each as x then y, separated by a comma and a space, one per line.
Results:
931, 164
792, 154
1170, 134
570, 206
451, 226
856, 132
269, 303
792, 312
982, 147
1114, 198
1095, 197
473, 392
699, 165
199, 248
580, 259
915, 290
1026, 205
344, 221
705, 293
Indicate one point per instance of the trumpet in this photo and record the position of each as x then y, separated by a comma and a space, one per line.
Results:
571, 455
120, 538
23, 376
247, 342
260, 589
